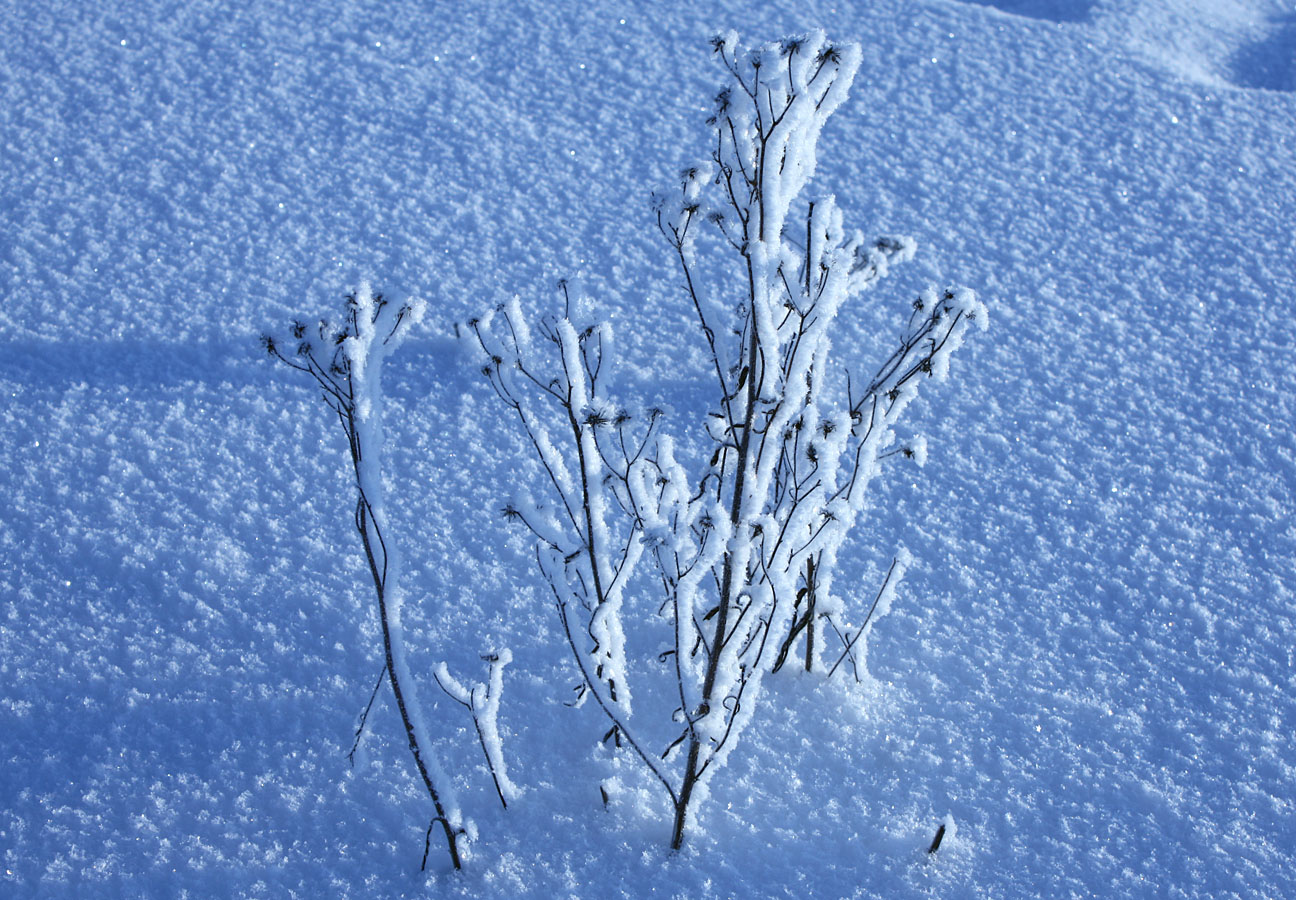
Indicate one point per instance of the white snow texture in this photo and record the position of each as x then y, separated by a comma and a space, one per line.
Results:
1088, 666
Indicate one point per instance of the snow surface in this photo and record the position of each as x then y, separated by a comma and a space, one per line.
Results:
1089, 668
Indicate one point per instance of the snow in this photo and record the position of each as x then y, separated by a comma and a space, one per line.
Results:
1088, 667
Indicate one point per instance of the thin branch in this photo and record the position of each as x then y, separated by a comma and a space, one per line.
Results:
364, 717
864, 625
607, 710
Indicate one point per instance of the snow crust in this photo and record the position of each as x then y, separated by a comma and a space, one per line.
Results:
1088, 667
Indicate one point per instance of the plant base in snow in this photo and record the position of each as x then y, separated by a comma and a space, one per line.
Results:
936, 841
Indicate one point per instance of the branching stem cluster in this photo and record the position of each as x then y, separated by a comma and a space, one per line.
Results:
741, 551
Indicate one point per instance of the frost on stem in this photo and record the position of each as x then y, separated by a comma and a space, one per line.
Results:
345, 361
583, 546
738, 548
482, 701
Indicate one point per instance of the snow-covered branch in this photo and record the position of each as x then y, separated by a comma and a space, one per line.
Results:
482, 701
346, 363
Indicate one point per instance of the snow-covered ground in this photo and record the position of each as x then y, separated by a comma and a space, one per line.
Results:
1090, 669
